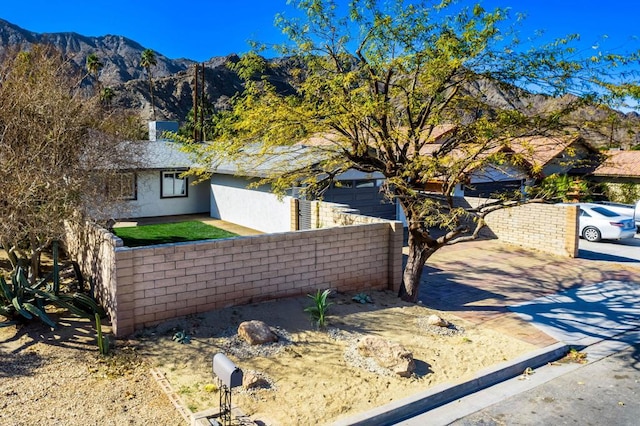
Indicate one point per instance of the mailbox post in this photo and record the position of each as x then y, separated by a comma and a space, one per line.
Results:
229, 376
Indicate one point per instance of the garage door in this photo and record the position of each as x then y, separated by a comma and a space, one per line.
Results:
363, 195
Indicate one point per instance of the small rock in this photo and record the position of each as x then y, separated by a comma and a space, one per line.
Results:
256, 333
436, 320
389, 355
252, 380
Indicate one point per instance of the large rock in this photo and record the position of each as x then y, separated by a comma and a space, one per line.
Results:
256, 333
387, 354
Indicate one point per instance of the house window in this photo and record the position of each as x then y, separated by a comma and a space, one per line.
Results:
369, 183
342, 184
173, 185
124, 186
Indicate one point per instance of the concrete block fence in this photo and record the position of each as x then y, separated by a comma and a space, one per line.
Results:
538, 226
143, 286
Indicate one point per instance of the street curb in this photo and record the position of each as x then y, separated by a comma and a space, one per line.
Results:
405, 408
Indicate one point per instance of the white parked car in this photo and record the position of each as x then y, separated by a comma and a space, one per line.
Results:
624, 209
597, 223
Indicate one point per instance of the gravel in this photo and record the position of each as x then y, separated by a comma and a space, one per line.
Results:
58, 378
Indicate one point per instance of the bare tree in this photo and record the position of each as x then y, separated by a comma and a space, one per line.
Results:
60, 150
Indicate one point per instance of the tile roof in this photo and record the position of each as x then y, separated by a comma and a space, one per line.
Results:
540, 150
620, 164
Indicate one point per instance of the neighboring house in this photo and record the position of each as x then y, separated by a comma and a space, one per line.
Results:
534, 158
618, 167
619, 172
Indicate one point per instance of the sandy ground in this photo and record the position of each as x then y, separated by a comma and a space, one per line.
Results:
58, 378
315, 376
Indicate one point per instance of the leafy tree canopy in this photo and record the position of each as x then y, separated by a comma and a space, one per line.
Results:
420, 91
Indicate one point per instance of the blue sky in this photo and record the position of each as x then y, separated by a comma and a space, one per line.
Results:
201, 29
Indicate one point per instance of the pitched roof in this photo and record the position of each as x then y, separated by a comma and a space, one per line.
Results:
163, 155
620, 164
540, 150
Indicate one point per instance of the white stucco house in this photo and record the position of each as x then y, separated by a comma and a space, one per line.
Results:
159, 188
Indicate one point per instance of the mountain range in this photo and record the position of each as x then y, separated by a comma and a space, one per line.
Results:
173, 79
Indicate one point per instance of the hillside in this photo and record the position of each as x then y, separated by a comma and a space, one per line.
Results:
174, 80
120, 55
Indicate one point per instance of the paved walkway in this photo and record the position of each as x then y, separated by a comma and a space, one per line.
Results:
478, 281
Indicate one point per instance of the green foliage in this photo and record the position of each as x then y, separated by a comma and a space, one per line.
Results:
106, 96
21, 300
181, 337
206, 129
362, 298
318, 310
629, 193
136, 236
148, 60
626, 193
405, 89
94, 64
561, 188
103, 341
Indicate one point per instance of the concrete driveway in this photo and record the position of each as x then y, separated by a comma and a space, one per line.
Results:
623, 251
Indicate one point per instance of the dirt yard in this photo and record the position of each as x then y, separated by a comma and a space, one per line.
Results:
310, 376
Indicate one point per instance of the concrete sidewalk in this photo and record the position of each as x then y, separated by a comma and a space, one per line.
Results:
513, 290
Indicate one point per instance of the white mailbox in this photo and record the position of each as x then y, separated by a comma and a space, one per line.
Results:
228, 373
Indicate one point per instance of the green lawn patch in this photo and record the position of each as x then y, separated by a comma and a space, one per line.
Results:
163, 233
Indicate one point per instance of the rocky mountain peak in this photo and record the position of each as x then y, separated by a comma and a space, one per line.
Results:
120, 55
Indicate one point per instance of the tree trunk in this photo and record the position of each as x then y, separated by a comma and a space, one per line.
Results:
419, 252
153, 103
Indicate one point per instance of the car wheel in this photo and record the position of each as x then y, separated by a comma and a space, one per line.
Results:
591, 234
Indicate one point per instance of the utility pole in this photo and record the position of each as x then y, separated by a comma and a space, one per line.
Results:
202, 105
196, 135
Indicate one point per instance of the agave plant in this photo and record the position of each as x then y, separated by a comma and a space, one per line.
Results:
19, 299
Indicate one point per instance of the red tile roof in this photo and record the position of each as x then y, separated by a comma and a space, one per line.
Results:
540, 150
620, 164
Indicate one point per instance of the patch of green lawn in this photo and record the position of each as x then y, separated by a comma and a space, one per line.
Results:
163, 233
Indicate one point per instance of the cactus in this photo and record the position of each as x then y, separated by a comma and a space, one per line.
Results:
103, 341
20, 299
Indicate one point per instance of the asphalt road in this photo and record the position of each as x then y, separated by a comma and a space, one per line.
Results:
605, 392
623, 251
